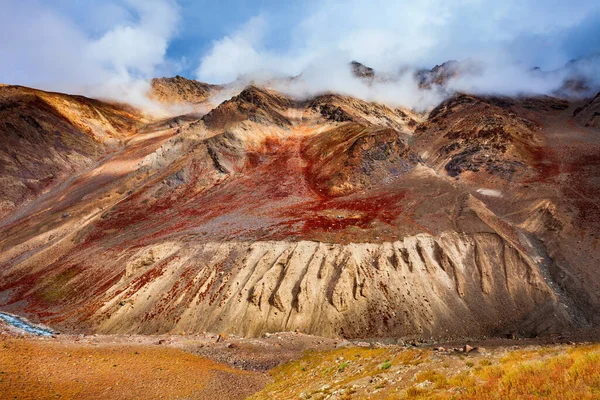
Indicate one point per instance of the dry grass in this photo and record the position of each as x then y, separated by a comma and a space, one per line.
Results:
542, 373
319, 374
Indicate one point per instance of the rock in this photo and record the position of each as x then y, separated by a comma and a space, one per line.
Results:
400, 342
334, 113
222, 337
362, 71
267, 335
232, 346
343, 344
424, 384
479, 350
467, 348
439, 349
161, 341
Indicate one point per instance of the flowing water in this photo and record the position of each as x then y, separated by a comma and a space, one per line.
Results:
24, 325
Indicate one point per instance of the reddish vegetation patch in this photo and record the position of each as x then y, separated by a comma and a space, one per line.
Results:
273, 197
546, 165
343, 213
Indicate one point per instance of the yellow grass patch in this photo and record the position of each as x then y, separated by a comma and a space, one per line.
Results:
540, 373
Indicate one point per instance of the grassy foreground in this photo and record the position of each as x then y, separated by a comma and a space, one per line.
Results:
555, 372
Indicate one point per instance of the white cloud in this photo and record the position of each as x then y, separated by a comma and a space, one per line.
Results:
237, 54
113, 47
390, 34
115, 59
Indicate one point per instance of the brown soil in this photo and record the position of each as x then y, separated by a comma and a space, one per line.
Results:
44, 369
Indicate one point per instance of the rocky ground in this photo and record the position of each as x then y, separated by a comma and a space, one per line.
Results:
289, 365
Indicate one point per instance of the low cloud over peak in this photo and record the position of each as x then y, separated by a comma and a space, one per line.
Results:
114, 57
112, 48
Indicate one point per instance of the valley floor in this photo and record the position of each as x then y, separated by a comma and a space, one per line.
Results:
291, 365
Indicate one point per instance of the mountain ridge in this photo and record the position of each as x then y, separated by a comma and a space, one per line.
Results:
273, 213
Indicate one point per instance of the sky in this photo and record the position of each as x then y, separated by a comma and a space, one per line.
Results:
112, 48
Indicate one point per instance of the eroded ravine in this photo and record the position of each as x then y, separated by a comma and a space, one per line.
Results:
446, 286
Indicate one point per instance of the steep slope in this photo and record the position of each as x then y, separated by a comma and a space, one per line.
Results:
589, 114
353, 157
468, 135
268, 214
46, 137
440, 74
179, 90
536, 167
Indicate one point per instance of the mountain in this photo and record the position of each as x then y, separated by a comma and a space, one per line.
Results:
48, 137
440, 74
180, 90
589, 114
330, 214
361, 71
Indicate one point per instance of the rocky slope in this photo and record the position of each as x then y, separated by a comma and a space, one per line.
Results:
47, 137
589, 114
330, 215
179, 90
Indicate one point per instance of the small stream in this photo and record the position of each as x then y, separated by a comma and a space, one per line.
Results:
25, 326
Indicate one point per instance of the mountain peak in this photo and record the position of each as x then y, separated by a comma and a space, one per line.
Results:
180, 90
362, 71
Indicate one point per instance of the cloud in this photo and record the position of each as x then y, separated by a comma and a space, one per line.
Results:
114, 58
111, 48
237, 54
503, 39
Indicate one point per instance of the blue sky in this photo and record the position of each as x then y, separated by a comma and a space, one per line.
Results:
206, 21
77, 44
